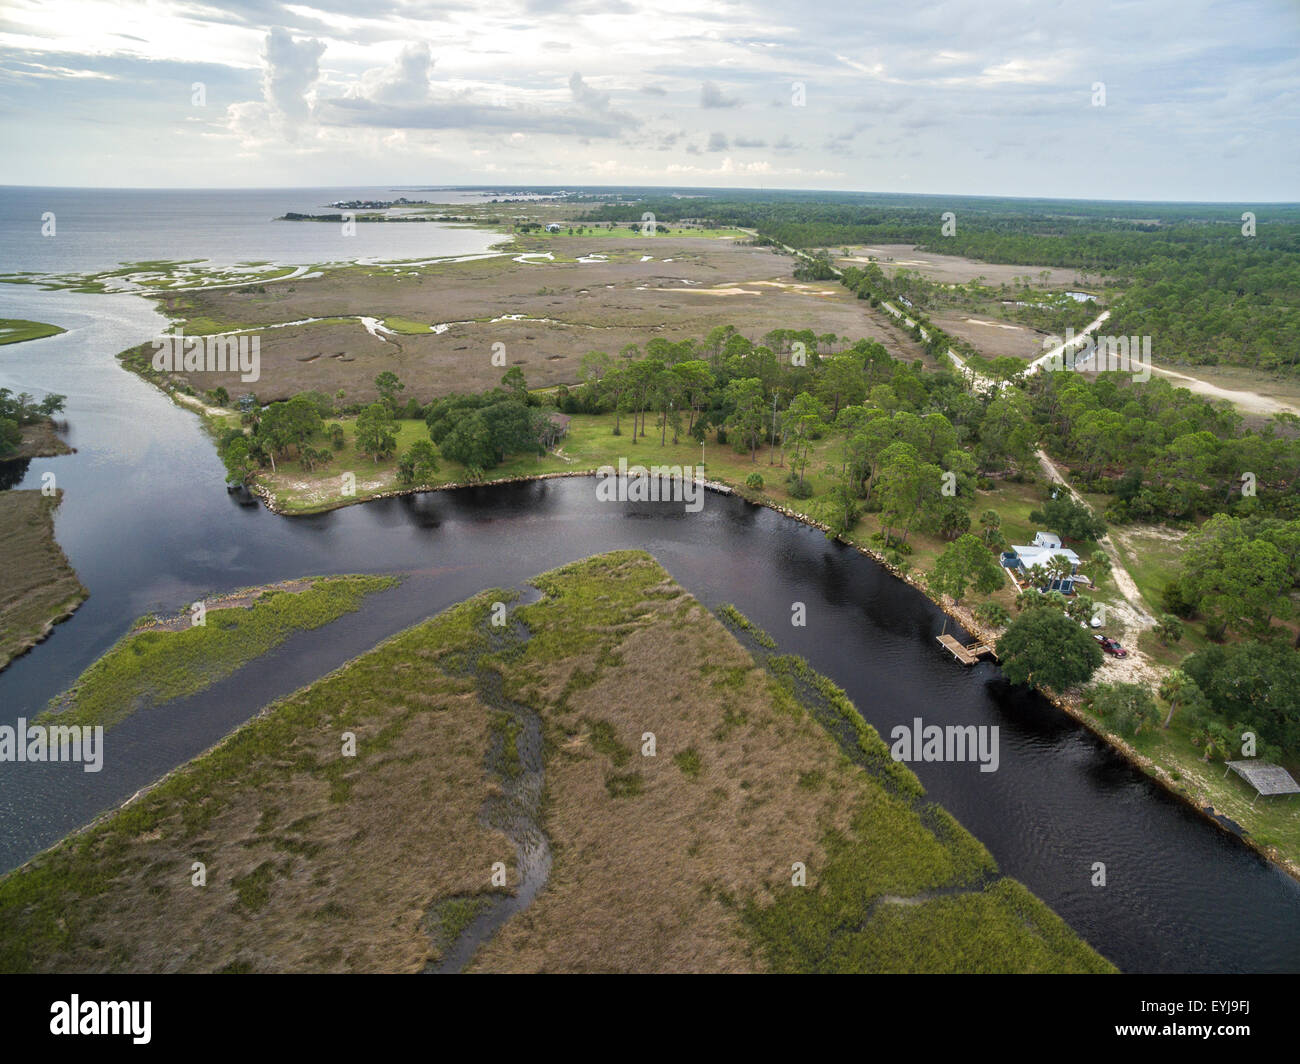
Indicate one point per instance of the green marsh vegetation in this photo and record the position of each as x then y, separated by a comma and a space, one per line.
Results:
156, 663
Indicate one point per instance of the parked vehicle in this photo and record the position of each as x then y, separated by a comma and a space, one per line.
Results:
1111, 646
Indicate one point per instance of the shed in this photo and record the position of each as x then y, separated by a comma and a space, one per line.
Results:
1267, 779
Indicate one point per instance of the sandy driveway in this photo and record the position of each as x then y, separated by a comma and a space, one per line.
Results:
1251, 402
1132, 617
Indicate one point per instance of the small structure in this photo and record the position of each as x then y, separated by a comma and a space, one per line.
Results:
1046, 546
1265, 778
969, 653
557, 427
553, 227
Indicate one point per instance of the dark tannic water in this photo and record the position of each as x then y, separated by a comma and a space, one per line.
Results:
148, 525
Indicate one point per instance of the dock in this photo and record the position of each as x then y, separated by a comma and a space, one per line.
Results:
969, 653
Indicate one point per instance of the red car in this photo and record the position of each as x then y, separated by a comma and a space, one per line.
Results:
1111, 646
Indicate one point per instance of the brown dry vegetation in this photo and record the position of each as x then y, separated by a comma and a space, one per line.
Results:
952, 269
628, 891
40, 440
592, 306
675, 862
991, 336
40, 588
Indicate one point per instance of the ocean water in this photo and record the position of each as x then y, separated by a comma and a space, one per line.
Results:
99, 229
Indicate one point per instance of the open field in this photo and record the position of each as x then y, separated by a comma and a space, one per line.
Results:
991, 336
547, 312
677, 861
40, 588
953, 269
16, 330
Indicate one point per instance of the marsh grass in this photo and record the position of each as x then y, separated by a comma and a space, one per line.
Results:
153, 666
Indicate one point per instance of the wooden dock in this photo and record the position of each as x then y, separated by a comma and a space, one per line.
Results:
968, 654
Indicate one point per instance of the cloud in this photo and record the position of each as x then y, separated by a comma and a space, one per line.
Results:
712, 96
585, 96
405, 80
462, 114
747, 142
717, 142
292, 68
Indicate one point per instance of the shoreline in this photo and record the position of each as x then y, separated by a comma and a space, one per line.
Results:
1066, 703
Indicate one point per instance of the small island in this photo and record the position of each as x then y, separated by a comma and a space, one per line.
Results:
16, 330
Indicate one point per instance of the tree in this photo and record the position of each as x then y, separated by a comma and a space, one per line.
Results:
695, 380
1128, 707
745, 396
1178, 689
966, 563
954, 518
991, 522
1046, 648
376, 431
287, 426
910, 489
1069, 519
1258, 683
1236, 582
238, 458
802, 418
1168, 629
514, 382
469, 442
388, 386
418, 464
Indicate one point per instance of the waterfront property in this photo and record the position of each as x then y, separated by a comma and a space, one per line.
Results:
1023, 559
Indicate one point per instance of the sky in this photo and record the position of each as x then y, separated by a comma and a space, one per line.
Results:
1152, 100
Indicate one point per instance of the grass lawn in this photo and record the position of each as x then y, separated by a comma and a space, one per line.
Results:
1271, 822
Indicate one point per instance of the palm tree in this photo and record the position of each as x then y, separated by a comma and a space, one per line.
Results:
1177, 688
1059, 567
991, 522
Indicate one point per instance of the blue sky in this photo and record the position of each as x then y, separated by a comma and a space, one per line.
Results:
1166, 99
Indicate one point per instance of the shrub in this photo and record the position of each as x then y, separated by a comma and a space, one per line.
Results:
755, 481
993, 613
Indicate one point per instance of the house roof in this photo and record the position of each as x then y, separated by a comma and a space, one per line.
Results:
561, 420
1032, 555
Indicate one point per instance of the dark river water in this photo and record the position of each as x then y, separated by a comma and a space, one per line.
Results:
148, 525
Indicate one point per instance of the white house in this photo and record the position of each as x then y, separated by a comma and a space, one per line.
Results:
1046, 546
